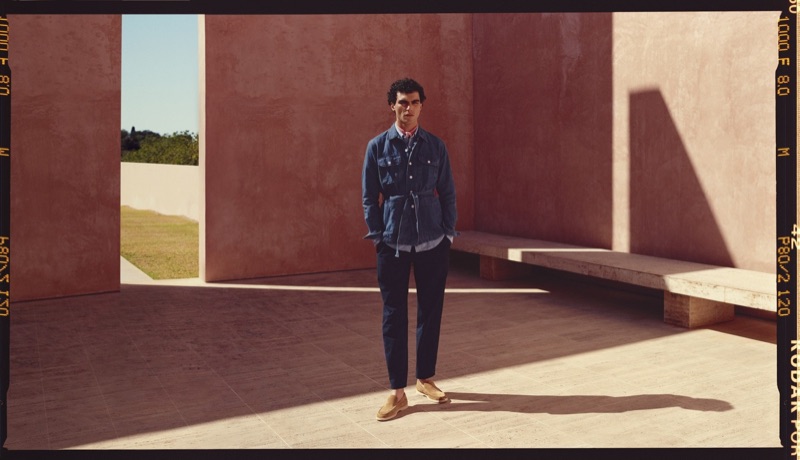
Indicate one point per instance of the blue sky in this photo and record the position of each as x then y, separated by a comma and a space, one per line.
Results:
159, 73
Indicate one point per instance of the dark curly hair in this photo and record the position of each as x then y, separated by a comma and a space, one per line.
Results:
405, 85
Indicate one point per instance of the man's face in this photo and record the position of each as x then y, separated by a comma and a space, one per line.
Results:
407, 109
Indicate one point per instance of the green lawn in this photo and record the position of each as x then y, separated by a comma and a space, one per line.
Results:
164, 247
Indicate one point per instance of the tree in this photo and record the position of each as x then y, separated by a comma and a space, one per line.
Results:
128, 141
179, 148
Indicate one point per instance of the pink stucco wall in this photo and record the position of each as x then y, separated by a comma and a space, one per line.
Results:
65, 118
291, 102
596, 129
609, 130
694, 126
641, 132
543, 117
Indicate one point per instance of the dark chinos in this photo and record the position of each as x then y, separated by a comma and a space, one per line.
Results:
430, 275
412, 227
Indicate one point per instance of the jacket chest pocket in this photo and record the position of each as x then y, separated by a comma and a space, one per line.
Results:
428, 168
389, 168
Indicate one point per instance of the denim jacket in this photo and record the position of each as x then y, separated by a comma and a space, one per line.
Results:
415, 182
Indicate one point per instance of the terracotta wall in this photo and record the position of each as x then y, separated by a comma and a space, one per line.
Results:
694, 129
644, 132
65, 117
543, 114
291, 102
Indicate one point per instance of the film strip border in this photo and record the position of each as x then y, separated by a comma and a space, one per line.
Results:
787, 230
5, 221
786, 225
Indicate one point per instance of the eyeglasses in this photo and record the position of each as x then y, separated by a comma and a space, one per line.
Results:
405, 104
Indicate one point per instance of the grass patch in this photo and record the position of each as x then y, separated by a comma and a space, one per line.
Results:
164, 247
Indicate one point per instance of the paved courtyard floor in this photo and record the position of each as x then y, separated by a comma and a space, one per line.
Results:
297, 363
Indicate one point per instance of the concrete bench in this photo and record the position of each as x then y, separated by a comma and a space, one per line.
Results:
695, 295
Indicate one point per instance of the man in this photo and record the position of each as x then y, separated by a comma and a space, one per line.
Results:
409, 200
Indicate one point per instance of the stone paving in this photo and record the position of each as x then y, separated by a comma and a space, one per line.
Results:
297, 363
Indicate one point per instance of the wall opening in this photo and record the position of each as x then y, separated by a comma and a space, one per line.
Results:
159, 148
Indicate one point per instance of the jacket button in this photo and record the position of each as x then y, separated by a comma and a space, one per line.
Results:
410, 177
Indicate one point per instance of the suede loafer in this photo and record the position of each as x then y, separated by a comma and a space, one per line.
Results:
431, 391
392, 407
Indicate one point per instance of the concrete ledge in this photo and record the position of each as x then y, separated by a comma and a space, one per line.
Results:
496, 269
692, 312
731, 286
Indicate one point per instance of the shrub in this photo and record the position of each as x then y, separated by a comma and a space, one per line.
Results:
180, 148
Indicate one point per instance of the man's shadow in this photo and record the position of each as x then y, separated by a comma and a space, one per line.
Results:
570, 404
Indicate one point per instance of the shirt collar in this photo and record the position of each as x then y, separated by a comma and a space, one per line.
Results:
402, 133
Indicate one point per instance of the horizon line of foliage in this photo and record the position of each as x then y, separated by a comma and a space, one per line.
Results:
179, 148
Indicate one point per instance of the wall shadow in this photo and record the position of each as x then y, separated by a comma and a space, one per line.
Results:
670, 215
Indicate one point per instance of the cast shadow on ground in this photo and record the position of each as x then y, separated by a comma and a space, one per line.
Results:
564, 405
